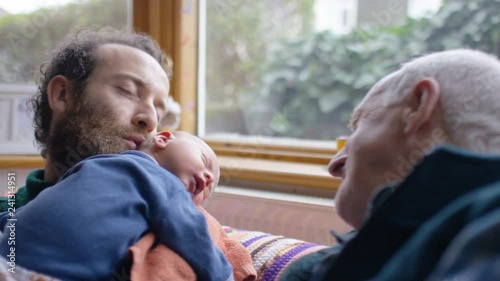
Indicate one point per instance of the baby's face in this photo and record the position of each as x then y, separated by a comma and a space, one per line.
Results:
193, 162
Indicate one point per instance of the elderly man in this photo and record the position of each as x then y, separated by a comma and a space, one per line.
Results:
406, 194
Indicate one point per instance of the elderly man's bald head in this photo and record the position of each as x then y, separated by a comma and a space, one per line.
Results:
469, 84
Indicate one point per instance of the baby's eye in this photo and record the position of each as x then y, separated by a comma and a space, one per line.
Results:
204, 159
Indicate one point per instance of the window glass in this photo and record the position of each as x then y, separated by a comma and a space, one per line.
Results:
297, 68
29, 30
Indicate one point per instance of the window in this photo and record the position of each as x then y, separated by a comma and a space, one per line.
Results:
344, 17
282, 69
29, 30
288, 71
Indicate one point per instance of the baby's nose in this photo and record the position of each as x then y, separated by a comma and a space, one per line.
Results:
203, 181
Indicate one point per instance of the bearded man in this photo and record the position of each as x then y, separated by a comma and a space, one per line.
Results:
99, 92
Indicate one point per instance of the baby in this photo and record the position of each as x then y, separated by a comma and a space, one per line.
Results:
82, 227
195, 164
187, 157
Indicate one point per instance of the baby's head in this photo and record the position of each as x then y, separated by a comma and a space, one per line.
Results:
189, 158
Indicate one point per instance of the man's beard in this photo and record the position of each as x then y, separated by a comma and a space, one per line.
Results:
86, 130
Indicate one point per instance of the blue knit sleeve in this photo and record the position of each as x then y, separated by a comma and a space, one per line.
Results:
181, 227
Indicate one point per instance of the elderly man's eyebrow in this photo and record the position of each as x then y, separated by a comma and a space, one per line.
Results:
353, 123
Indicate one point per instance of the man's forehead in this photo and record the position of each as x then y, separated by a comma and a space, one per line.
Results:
118, 54
115, 49
386, 81
375, 94
373, 99
121, 61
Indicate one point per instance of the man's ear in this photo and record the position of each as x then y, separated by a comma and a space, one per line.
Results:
59, 93
423, 101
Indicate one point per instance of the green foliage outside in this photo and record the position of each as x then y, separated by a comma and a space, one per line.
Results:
311, 84
26, 39
240, 36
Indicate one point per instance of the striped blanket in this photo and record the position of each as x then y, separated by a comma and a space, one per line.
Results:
271, 253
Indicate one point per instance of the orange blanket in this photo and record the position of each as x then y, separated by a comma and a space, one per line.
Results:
153, 261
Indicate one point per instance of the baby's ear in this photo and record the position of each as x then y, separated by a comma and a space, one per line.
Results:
162, 138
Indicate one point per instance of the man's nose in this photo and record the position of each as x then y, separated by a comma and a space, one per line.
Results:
146, 119
336, 165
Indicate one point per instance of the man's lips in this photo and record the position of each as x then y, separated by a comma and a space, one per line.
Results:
131, 144
134, 141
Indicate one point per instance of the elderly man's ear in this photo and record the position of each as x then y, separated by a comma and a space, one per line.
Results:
422, 102
59, 94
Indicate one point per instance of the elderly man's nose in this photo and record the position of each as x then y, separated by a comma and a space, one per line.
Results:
336, 165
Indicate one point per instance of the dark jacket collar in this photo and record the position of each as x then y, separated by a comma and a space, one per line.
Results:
443, 176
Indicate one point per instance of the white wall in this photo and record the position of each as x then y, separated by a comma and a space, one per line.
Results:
302, 217
16, 126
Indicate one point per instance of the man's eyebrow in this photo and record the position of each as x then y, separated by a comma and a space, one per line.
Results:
138, 81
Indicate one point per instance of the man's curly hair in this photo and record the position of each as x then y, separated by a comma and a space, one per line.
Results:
75, 58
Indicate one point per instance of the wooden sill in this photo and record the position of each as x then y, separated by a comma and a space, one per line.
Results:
312, 152
21, 162
274, 171
301, 157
